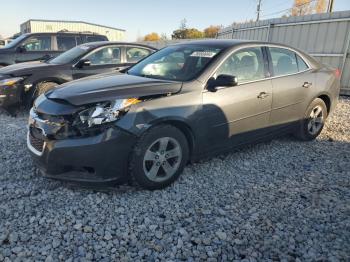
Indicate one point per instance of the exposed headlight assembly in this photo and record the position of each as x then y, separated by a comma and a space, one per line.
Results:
10, 81
106, 112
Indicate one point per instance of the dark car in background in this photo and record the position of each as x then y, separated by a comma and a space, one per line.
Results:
22, 83
42, 46
180, 104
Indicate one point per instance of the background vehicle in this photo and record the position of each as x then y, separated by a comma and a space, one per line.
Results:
181, 103
21, 83
42, 46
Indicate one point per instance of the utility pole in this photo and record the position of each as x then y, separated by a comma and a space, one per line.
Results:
258, 10
330, 6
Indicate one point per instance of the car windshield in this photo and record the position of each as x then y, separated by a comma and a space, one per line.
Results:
15, 41
70, 55
178, 63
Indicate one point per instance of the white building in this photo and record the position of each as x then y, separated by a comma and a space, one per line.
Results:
37, 25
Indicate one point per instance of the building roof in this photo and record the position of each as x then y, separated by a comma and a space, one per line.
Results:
69, 21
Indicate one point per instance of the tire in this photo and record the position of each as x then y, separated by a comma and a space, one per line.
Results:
43, 87
314, 119
159, 157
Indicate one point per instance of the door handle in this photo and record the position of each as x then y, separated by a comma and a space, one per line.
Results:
263, 95
307, 84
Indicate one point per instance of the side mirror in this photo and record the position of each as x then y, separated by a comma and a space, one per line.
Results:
47, 57
21, 49
123, 71
221, 81
82, 63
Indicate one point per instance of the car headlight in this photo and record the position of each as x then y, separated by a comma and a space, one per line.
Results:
10, 81
106, 112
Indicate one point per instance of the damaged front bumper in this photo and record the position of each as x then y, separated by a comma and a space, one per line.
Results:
101, 158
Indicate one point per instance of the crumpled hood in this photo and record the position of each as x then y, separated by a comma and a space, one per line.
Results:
17, 69
106, 87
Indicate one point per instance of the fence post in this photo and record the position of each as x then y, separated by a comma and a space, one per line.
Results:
268, 32
233, 31
347, 44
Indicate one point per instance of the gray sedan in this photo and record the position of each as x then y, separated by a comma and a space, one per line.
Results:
180, 104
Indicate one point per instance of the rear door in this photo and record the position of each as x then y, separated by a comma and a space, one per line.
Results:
36, 47
292, 81
102, 60
241, 113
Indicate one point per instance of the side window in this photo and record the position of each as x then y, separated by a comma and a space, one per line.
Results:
65, 42
302, 66
283, 61
106, 55
38, 43
95, 38
134, 54
79, 40
246, 64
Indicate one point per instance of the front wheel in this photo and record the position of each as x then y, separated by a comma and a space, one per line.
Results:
314, 120
39, 89
159, 157
43, 87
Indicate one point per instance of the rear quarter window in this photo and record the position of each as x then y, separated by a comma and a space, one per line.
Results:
66, 42
95, 38
302, 66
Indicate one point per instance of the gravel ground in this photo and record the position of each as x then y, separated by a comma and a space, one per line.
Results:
281, 200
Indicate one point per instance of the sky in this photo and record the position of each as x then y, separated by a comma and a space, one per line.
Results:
140, 17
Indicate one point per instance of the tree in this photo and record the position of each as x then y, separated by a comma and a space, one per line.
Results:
211, 31
193, 33
179, 34
186, 33
163, 37
321, 6
306, 7
183, 24
301, 7
151, 37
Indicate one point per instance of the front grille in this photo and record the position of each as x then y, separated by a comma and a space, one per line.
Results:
36, 143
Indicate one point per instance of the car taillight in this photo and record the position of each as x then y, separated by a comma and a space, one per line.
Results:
337, 73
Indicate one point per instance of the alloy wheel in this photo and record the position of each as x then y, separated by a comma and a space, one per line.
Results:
316, 120
162, 159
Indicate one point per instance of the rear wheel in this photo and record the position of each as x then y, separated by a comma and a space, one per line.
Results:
314, 120
159, 157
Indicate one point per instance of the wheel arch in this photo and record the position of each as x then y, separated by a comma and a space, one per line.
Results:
56, 80
182, 126
29, 97
327, 100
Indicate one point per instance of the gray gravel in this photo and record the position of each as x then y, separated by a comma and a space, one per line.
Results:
281, 200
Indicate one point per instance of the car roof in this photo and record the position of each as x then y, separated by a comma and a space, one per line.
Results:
226, 43
64, 33
218, 43
106, 43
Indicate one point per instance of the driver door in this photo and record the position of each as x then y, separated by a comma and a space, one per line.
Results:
238, 114
35, 48
102, 60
